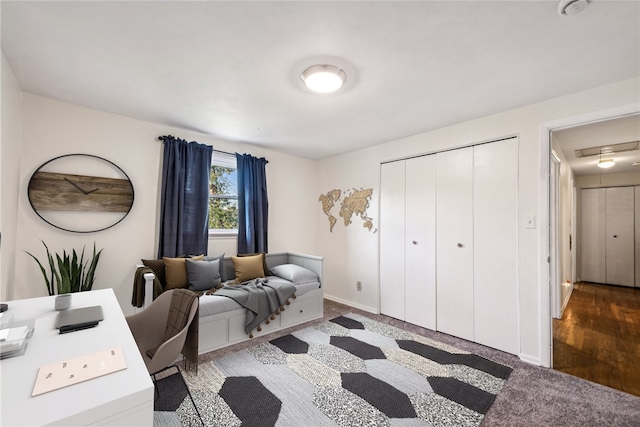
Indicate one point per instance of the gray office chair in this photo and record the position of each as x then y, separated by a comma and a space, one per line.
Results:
160, 331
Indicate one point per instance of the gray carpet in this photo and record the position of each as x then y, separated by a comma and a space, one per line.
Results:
532, 396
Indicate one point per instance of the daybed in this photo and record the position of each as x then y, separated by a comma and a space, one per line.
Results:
222, 320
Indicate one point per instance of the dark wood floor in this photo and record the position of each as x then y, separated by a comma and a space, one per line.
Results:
598, 337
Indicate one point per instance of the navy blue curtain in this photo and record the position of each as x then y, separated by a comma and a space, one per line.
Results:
253, 205
184, 203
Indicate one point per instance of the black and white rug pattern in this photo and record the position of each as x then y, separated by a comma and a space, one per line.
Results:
350, 371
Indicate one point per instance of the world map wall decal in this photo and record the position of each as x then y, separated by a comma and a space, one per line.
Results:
352, 202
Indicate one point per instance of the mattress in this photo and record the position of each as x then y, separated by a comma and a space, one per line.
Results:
214, 304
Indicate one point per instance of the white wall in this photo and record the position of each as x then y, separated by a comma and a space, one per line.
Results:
10, 144
352, 253
53, 128
608, 180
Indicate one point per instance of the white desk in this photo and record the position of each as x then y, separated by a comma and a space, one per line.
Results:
121, 399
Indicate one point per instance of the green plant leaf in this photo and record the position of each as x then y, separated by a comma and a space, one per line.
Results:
82, 265
90, 273
68, 272
77, 271
44, 274
64, 287
55, 276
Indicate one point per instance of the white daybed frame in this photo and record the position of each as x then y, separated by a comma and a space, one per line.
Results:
224, 329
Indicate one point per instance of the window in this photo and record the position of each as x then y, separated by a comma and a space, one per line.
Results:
223, 193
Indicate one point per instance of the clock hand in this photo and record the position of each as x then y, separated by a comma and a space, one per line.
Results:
91, 191
75, 185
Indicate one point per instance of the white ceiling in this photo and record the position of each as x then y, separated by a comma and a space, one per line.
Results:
603, 133
231, 69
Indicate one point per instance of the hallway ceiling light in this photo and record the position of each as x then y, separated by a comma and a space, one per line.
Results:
606, 163
324, 78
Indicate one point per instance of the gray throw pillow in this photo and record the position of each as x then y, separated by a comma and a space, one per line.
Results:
214, 257
294, 273
203, 275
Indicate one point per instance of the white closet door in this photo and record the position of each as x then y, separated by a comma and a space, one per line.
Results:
637, 227
420, 244
454, 228
392, 239
592, 233
620, 236
495, 244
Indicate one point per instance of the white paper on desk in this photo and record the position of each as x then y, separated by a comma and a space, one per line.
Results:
78, 369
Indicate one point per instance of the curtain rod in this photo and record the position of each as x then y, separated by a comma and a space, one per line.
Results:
161, 138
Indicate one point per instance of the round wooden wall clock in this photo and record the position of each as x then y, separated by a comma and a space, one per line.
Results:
81, 193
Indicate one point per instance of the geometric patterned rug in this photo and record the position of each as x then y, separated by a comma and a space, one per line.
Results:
350, 371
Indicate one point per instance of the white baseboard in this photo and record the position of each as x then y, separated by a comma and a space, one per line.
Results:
566, 301
351, 304
529, 359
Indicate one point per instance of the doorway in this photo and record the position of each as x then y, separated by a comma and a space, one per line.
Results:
587, 318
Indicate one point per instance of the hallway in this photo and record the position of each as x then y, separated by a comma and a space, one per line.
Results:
598, 337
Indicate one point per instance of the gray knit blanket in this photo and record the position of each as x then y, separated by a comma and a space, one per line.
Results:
260, 297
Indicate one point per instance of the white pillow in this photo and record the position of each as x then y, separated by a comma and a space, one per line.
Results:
294, 273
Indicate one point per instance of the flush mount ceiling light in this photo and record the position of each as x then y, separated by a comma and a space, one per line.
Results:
606, 163
324, 78
571, 7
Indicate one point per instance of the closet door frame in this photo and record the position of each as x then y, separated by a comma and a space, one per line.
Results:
607, 235
455, 292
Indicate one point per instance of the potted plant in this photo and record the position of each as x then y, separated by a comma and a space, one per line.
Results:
68, 273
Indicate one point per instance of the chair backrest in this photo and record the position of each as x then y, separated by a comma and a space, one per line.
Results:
175, 330
181, 311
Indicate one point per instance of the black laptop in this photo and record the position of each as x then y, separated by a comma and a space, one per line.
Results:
76, 319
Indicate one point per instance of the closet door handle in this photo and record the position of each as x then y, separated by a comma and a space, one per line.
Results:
415, 242
615, 236
460, 245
